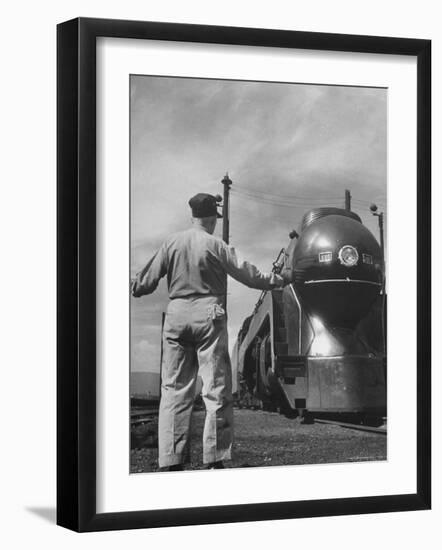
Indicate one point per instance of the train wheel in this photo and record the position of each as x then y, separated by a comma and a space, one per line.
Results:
265, 363
287, 411
308, 418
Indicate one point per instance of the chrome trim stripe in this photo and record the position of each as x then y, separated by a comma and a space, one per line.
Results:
342, 281
300, 318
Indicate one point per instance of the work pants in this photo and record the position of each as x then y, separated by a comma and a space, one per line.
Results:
194, 342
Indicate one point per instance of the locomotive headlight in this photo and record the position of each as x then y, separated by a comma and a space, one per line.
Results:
348, 255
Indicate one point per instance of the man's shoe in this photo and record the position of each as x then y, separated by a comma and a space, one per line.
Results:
215, 465
173, 468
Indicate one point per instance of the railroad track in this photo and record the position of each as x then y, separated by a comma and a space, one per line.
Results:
360, 427
140, 416
350, 425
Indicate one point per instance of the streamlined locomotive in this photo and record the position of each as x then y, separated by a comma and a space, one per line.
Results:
318, 345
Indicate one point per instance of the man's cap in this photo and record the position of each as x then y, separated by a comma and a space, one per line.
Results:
204, 205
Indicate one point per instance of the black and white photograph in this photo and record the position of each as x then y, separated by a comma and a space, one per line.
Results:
220, 297
258, 262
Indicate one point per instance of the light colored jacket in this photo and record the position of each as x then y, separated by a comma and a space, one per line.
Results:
196, 263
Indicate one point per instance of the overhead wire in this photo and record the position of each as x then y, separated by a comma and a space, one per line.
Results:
281, 202
296, 201
267, 194
358, 205
366, 202
275, 203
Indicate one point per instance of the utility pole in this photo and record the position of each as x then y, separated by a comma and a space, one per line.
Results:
227, 182
381, 232
347, 200
380, 216
163, 318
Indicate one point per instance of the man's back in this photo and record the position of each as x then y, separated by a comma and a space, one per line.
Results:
196, 263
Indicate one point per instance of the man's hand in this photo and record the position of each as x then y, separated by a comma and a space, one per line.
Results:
134, 288
287, 276
277, 281
280, 280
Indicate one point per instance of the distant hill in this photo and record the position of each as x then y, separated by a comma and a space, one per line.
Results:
145, 384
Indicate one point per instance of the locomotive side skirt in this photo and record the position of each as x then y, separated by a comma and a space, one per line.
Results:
262, 359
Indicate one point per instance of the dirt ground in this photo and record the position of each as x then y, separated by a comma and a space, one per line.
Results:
268, 439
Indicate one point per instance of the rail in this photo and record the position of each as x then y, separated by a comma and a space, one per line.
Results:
140, 416
361, 427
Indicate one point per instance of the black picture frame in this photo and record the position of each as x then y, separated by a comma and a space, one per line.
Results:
76, 272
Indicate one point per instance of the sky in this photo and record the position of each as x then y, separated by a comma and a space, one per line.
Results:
286, 147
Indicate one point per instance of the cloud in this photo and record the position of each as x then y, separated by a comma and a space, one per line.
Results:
145, 355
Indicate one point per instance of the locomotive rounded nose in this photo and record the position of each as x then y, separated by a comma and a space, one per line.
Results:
337, 269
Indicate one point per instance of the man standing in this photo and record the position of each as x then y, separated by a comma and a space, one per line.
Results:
195, 333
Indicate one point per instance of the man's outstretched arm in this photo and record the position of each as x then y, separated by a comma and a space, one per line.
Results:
148, 278
247, 273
